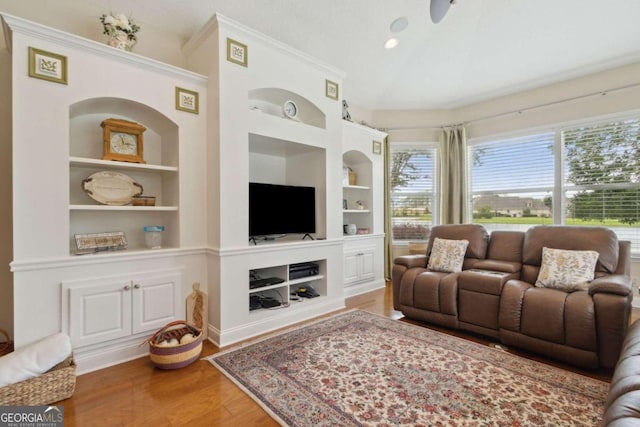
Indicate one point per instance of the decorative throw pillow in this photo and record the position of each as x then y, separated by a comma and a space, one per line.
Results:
447, 255
566, 270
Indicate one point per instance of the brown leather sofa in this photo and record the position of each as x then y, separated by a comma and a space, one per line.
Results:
495, 295
622, 408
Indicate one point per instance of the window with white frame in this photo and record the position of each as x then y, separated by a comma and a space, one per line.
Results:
413, 180
586, 175
601, 177
512, 181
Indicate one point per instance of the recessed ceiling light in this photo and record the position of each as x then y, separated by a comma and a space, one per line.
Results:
391, 43
399, 24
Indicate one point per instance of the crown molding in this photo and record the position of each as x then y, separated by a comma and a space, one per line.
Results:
14, 25
218, 22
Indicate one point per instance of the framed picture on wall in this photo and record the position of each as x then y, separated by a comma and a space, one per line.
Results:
377, 147
186, 100
237, 52
331, 89
47, 66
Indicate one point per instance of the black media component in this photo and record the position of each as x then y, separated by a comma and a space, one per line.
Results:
281, 209
254, 302
303, 269
307, 291
267, 281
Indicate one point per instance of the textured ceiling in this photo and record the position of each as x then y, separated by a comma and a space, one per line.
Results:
481, 49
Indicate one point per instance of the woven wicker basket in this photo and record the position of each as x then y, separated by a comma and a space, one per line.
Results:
55, 385
177, 356
6, 346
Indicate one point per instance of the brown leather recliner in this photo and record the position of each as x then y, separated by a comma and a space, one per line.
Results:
584, 328
432, 296
622, 408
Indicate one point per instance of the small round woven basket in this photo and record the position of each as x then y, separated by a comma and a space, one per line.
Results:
6, 346
178, 356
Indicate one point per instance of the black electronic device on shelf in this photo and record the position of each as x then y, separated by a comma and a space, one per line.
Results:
261, 301
267, 281
303, 269
307, 291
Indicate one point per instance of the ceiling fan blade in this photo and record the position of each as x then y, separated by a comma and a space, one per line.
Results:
438, 9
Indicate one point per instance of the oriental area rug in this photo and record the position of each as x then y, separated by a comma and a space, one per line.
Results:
361, 369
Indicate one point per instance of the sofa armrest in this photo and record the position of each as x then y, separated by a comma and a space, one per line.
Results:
612, 303
511, 301
612, 284
412, 261
411, 265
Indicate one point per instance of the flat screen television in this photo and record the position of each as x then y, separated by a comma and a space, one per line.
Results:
281, 209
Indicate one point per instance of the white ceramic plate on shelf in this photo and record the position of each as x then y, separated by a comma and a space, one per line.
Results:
111, 188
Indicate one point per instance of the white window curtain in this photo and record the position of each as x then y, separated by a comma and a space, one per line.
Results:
453, 176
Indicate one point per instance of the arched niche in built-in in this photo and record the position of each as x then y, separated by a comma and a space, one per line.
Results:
270, 101
85, 133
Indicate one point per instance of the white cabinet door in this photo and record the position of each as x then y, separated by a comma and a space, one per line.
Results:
359, 265
99, 312
367, 258
156, 301
350, 268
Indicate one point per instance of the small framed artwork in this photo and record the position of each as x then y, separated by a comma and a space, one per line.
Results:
187, 100
47, 66
331, 89
345, 206
377, 147
95, 242
237, 52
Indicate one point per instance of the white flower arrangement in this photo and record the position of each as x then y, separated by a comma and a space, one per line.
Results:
119, 22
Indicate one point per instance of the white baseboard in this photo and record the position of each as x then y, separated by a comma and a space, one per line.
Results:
92, 360
361, 288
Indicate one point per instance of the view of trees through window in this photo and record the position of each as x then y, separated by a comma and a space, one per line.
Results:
412, 191
513, 180
603, 173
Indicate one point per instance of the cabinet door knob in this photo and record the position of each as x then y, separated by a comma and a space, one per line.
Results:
137, 286
127, 287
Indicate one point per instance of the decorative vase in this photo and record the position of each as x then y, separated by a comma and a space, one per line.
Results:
120, 40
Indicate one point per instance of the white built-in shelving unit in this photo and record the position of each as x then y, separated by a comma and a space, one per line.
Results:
198, 166
108, 302
364, 251
251, 140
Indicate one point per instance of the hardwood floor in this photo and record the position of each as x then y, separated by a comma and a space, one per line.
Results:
137, 394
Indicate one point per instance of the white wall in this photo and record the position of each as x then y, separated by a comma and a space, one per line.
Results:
6, 234
82, 18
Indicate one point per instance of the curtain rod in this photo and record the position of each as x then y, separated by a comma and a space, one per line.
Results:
520, 110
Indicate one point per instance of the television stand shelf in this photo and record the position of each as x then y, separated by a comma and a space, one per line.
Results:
282, 291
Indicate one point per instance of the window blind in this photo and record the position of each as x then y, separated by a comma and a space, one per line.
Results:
512, 180
412, 179
602, 176
598, 179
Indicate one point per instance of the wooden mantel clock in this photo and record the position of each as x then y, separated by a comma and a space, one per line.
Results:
122, 141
